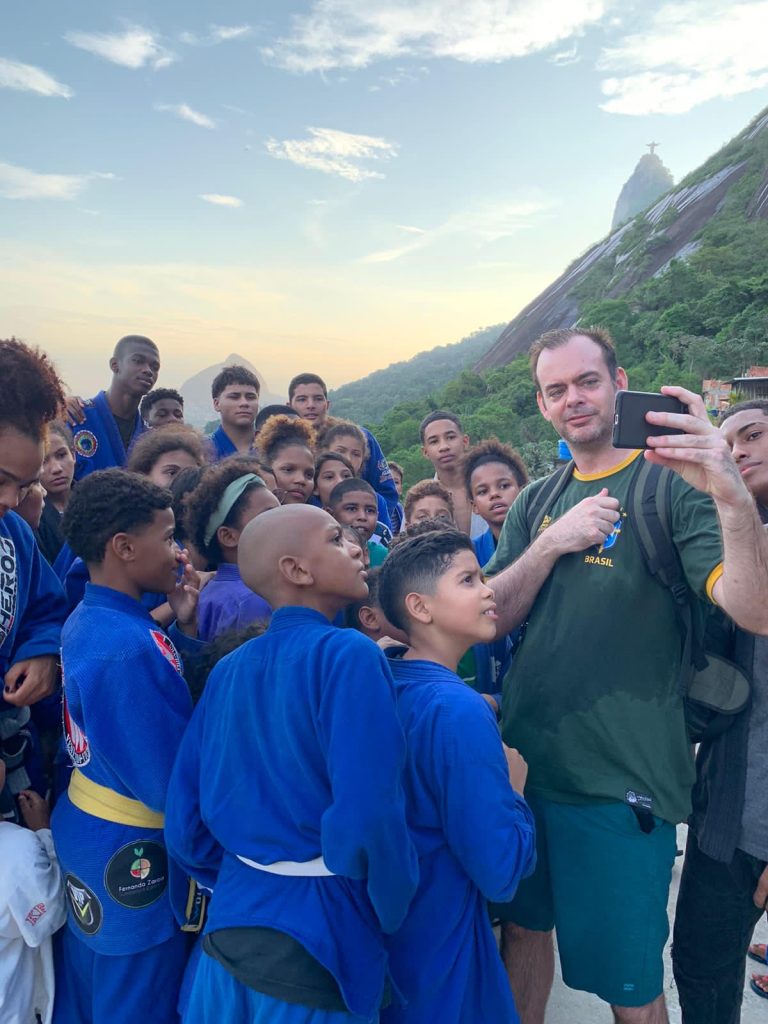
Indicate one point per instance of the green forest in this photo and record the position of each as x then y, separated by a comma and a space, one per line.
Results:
706, 316
372, 396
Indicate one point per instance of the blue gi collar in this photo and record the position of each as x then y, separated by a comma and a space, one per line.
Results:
105, 597
294, 615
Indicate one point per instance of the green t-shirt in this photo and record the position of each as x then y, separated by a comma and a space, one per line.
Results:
591, 698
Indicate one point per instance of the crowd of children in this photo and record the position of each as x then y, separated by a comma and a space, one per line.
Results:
259, 686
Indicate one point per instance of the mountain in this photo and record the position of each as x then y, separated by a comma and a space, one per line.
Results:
198, 409
649, 180
683, 289
368, 399
688, 224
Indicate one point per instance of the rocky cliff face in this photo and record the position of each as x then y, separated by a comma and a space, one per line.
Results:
198, 409
649, 180
644, 246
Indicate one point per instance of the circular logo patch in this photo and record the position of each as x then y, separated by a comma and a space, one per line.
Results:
84, 904
86, 443
75, 739
137, 874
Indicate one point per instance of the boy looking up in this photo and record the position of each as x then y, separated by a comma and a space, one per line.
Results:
473, 831
286, 798
494, 475
126, 704
308, 396
444, 443
235, 392
106, 426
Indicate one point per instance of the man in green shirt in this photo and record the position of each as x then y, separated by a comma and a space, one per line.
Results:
591, 699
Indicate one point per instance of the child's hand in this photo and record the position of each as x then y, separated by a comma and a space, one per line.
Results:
34, 810
518, 769
185, 595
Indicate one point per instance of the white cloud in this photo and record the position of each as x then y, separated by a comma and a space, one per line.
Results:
133, 48
334, 152
689, 53
21, 183
186, 113
220, 200
351, 34
486, 221
216, 34
568, 56
28, 78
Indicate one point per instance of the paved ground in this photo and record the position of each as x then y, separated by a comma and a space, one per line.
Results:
569, 1007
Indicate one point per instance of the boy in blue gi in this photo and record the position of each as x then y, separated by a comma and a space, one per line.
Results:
473, 831
105, 426
494, 475
32, 605
308, 396
235, 392
286, 796
122, 956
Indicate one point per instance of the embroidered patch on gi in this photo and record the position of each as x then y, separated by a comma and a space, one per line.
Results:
137, 875
8, 587
84, 904
74, 738
86, 443
166, 648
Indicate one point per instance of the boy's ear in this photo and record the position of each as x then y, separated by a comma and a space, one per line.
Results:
295, 571
417, 606
228, 536
122, 545
113, 364
216, 404
369, 619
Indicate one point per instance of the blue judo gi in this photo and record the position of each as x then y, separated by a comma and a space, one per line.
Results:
227, 604
122, 955
221, 447
475, 839
32, 612
294, 752
378, 474
97, 441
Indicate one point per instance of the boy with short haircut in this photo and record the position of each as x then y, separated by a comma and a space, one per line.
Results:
31, 910
367, 616
494, 475
473, 830
106, 426
427, 500
161, 407
126, 705
286, 798
353, 503
308, 396
444, 443
235, 392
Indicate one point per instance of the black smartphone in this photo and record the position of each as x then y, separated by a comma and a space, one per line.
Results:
630, 427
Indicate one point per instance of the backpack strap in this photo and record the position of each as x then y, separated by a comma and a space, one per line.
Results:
546, 496
649, 504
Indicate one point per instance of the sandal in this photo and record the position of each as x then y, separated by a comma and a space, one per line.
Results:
758, 951
759, 985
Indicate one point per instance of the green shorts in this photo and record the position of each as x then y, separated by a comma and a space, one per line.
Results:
603, 883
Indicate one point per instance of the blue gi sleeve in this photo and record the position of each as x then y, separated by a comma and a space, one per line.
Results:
377, 473
187, 837
488, 827
364, 832
153, 717
45, 610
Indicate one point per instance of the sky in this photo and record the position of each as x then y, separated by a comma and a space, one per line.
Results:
333, 185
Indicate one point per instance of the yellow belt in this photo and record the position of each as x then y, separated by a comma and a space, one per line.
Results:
105, 803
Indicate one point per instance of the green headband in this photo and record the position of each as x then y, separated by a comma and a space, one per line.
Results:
233, 491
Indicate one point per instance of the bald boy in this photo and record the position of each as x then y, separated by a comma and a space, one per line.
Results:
286, 797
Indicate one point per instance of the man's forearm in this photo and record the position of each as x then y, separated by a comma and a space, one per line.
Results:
742, 591
516, 587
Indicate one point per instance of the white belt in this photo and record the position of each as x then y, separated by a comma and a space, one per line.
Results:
307, 869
